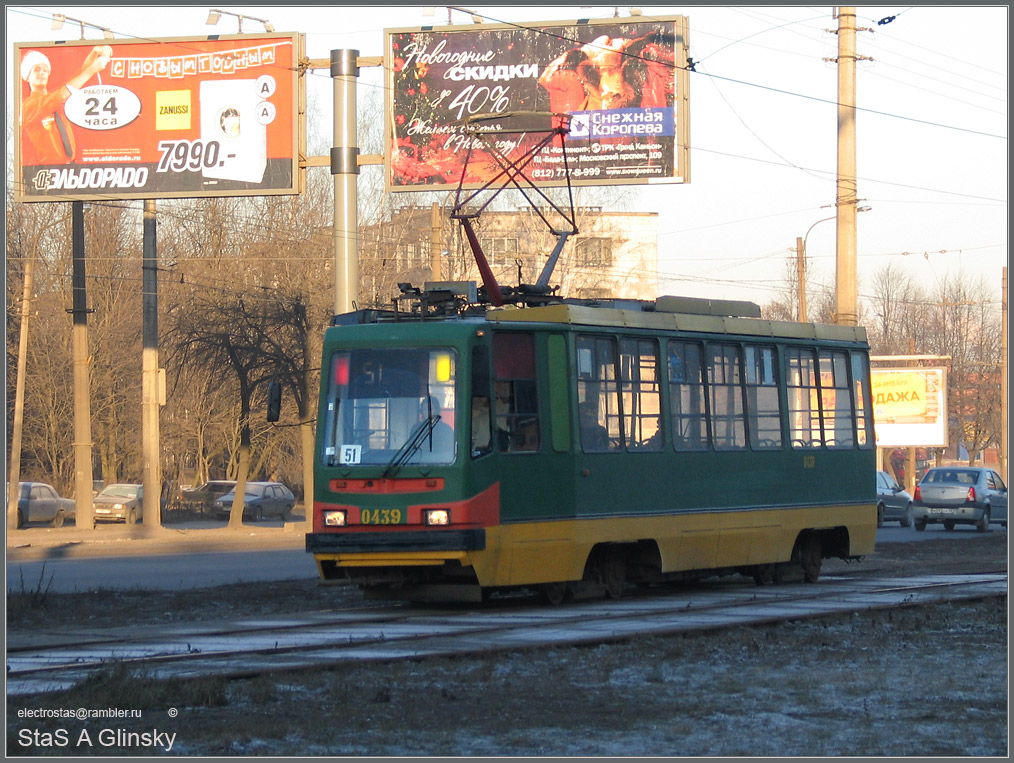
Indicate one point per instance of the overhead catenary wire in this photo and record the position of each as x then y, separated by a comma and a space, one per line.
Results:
789, 164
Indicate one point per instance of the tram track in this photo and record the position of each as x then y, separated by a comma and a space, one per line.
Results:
253, 646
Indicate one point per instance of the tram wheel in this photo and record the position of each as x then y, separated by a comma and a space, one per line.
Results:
810, 558
614, 575
554, 593
764, 574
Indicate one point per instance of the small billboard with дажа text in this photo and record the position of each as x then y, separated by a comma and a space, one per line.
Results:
910, 407
170, 118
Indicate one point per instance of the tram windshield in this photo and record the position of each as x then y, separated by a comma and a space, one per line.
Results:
390, 407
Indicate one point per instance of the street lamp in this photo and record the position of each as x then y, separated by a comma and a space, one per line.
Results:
476, 18
215, 14
60, 18
801, 265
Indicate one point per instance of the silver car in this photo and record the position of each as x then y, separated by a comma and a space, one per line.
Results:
894, 504
39, 502
952, 495
260, 500
119, 503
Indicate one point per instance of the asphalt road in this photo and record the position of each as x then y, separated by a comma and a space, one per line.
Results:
164, 572
200, 569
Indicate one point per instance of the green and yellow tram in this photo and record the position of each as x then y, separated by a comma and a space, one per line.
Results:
574, 448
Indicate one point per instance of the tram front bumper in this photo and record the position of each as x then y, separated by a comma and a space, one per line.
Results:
395, 542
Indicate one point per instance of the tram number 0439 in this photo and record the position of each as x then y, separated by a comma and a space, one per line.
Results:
809, 462
381, 517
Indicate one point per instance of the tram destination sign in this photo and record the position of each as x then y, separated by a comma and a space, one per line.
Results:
623, 86
163, 118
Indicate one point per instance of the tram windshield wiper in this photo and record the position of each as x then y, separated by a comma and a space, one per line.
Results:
412, 444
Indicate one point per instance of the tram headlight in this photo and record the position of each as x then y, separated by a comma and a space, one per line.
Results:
436, 517
335, 518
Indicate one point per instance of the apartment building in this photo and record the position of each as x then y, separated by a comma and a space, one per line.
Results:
613, 254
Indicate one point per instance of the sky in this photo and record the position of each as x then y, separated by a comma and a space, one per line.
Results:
931, 136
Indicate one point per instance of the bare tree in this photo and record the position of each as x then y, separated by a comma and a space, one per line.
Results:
224, 333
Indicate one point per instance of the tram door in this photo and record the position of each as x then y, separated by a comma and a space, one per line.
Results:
536, 499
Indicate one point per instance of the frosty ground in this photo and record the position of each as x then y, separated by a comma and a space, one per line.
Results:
920, 681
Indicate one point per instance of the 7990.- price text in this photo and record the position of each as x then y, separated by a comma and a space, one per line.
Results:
188, 155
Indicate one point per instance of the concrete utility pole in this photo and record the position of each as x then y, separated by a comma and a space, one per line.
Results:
14, 475
151, 477
85, 518
846, 279
1003, 382
345, 168
344, 162
800, 281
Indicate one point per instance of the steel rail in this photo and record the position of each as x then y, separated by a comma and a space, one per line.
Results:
315, 640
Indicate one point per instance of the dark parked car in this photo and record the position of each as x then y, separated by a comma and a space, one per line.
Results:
39, 502
208, 493
953, 495
260, 500
894, 503
119, 503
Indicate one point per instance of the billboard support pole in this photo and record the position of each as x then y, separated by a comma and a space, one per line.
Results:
345, 169
150, 477
84, 508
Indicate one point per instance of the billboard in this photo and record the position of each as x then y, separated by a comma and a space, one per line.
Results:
910, 407
177, 117
623, 84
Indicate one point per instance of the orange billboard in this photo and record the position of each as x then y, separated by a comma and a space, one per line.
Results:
180, 117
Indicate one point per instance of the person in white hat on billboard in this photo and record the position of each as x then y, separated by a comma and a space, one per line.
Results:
47, 137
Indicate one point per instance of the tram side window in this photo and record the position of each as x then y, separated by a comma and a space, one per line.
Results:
641, 394
860, 387
762, 399
598, 394
516, 400
836, 399
804, 410
482, 439
728, 421
688, 409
